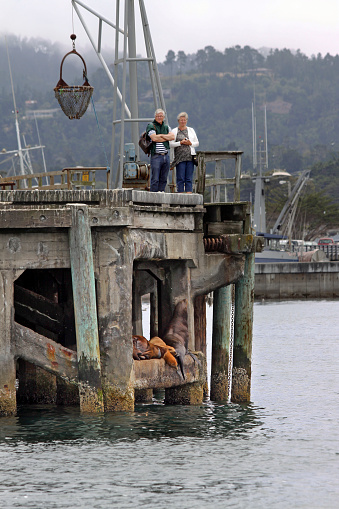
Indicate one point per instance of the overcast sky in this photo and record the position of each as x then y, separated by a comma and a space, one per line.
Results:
309, 25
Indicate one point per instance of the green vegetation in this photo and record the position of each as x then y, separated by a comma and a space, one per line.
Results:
217, 90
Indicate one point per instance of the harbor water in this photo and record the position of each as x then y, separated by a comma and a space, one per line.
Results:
279, 451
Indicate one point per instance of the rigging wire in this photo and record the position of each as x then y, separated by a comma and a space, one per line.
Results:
72, 17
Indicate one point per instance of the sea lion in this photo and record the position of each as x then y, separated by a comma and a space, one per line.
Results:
160, 342
167, 352
176, 334
140, 347
143, 349
156, 348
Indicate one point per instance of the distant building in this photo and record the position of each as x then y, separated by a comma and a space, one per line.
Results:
260, 71
50, 113
279, 106
30, 104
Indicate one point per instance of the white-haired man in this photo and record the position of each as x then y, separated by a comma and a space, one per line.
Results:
160, 134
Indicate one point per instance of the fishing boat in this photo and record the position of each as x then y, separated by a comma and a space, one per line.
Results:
279, 246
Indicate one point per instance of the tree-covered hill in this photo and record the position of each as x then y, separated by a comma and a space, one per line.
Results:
216, 89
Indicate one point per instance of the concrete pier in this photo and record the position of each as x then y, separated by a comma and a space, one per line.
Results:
303, 280
74, 267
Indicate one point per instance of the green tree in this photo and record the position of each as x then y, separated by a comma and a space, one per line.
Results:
181, 59
201, 59
170, 60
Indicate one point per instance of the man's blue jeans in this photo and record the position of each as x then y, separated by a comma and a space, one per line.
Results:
185, 171
160, 165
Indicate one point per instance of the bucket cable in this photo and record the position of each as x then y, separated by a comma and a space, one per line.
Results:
72, 17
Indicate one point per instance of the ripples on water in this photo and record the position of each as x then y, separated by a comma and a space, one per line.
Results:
280, 451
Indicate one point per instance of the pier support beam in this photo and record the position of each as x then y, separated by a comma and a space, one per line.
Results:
222, 302
189, 394
154, 313
143, 395
115, 329
36, 385
84, 297
137, 306
67, 393
200, 323
7, 362
243, 328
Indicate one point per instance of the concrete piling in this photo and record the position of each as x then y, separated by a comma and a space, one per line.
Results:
222, 301
243, 328
84, 297
7, 362
115, 330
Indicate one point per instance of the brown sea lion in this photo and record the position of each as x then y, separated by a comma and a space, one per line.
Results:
167, 352
156, 348
153, 352
140, 347
160, 342
144, 349
176, 334
170, 359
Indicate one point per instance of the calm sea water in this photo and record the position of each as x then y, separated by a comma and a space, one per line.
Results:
279, 451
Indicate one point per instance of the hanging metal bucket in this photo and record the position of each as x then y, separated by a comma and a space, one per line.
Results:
74, 99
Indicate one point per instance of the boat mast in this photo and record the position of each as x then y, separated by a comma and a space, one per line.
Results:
42, 147
21, 158
259, 215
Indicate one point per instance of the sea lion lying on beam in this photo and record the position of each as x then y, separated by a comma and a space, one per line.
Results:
167, 352
176, 334
140, 346
153, 349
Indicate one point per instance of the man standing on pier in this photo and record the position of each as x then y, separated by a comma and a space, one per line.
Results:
160, 134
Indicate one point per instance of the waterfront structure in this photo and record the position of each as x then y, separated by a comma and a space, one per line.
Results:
299, 280
74, 267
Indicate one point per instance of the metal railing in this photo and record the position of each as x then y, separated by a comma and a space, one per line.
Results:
202, 181
67, 178
331, 251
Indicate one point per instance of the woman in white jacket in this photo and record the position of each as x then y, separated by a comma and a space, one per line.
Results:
184, 144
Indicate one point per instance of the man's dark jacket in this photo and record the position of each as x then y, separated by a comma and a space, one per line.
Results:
160, 129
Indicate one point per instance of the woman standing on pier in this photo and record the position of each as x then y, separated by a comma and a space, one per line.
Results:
184, 144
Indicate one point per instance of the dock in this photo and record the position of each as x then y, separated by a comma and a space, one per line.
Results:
297, 280
74, 267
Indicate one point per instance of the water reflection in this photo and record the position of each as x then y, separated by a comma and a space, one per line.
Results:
149, 421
